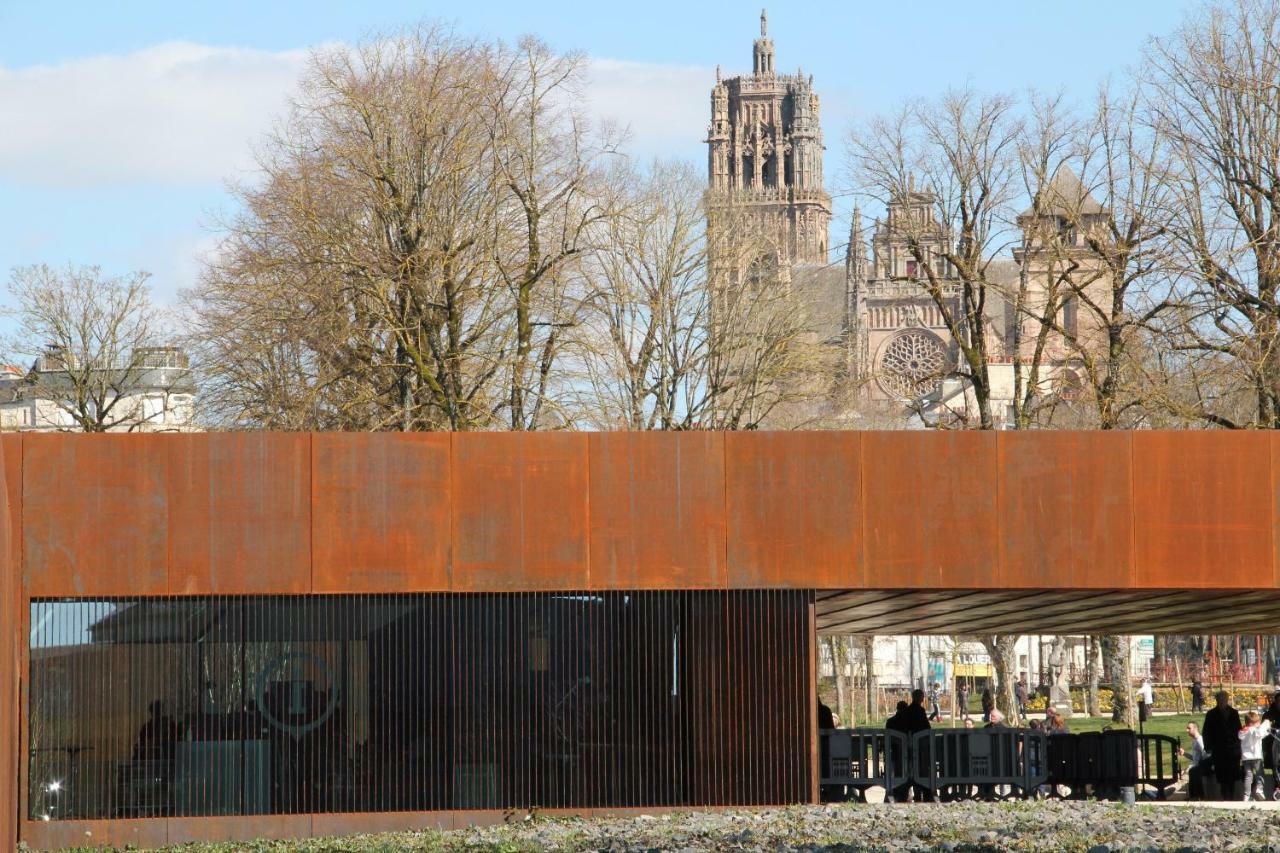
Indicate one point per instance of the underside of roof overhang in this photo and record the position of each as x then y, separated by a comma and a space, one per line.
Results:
1018, 611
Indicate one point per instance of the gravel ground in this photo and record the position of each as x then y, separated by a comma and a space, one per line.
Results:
1088, 827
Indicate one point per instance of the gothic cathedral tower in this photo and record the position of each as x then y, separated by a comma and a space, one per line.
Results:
765, 154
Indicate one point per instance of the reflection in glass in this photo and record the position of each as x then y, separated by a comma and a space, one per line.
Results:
266, 705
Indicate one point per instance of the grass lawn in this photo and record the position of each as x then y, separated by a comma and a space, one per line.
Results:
1174, 725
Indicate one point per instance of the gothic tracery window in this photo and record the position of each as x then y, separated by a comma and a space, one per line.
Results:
911, 364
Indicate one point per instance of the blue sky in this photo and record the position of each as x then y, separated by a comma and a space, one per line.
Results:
122, 120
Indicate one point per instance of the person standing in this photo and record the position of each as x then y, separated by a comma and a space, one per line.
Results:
935, 707
1273, 716
1255, 729
1197, 697
1020, 694
988, 704
1222, 742
1146, 698
899, 722
917, 720
962, 702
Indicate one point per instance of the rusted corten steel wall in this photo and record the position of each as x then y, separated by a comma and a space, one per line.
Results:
265, 514
292, 513
12, 645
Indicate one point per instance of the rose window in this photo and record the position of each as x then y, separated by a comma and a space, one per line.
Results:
911, 364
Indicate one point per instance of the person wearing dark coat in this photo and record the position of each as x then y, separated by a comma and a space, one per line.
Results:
917, 716
988, 703
1273, 745
915, 719
1197, 697
826, 719
1221, 733
900, 722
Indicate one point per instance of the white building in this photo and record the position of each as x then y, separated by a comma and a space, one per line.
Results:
156, 393
905, 662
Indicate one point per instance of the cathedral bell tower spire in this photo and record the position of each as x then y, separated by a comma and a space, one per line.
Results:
764, 156
763, 54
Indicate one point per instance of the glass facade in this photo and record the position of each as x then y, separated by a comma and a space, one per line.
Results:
348, 703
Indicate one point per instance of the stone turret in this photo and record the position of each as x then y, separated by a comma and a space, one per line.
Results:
855, 274
765, 152
762, 56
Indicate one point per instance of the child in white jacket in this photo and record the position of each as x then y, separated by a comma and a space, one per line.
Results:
1255, 729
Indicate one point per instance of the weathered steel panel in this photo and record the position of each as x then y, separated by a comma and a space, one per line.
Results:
95, 514
240, 513
519, 511
1066, 509
795, 509
657, 510
84, 834
185, 830
365, 823
1203, 513
11, 448
381, 512
12, 652
930, 509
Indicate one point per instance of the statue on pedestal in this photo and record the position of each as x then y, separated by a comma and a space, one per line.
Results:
1060, 686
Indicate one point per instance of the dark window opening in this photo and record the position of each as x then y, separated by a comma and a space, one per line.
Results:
1069, 312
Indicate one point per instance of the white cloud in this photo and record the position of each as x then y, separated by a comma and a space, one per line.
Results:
184, 113
665, 107
172, 113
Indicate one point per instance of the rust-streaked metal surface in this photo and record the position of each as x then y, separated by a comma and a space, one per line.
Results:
519, 511
95, 514
795, 499
930, 509
657, 505
1202, 504
1074, 491
185, 830
898, 532
239, 513
231, 513
12, 653
381, 512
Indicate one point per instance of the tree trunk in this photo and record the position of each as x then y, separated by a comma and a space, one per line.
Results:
839, 646
1093, 672
1116, 649
868, 644
1003, 651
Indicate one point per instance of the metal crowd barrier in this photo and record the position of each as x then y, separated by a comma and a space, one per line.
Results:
853, 760
995, 763
1101, 763
1160, 768
983, 763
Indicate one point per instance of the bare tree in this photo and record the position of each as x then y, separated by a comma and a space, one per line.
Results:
963, 147
686, 325
1045, 143
1002, 648
1118, 655
548, 169
1214, 102
405, 261
867, 645
90, 337
1093, 672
